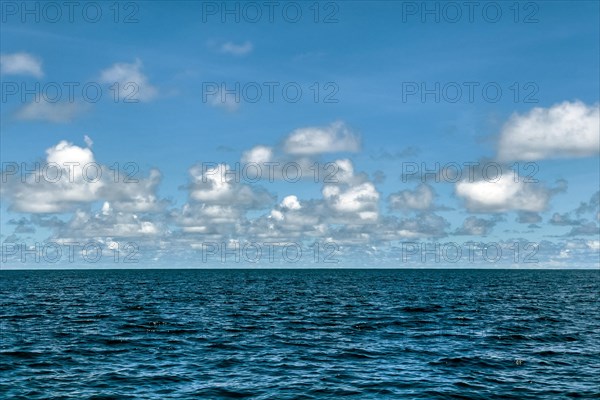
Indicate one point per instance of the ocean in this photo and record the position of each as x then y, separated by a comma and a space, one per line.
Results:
300, 334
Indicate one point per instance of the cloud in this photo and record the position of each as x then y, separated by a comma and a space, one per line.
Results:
108, 223
503, 195
585, 229
59, 112
213, 221
71, 178
423, 225
353, 197
22, 225
258, 155
593, 206
564, 220
290, 203
476, 226
236, 49
565, 130
419, 199
224, 100
134, 195
333, 138
221, 185
379, 176
133, 84
527, 217
290, 219
20, 64
43, 195
397, 155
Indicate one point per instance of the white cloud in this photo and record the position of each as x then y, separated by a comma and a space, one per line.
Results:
20, 64
353, 198
419, 199
134, 195
335, 137
133, 84
210, 219
71, 177
503, 195
568, 129
290, 203
236, 49
47, 196
289, 220
221, 185
59, 112
108, 223
258, 155
593, 244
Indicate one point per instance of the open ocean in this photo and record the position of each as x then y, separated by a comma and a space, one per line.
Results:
300, 334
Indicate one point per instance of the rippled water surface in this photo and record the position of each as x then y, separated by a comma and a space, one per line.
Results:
304, 334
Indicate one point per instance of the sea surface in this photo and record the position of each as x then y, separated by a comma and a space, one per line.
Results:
300, 334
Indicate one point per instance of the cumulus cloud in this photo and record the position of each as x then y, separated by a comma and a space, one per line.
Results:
71, 177
568, 129
108, 223
258, 155
133, 83
564, 220
503, 195
423, 225
353, 195
20, 64
221, 185
336, 137
40, 194
290, 203
290, 219
419, 199
134, 195
476, 226
58, 112
214, 221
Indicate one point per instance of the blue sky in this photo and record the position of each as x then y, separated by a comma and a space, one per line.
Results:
370, 62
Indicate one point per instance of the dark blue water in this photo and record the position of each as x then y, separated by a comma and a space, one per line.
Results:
305, 334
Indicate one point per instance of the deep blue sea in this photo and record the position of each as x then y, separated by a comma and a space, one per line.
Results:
300, 334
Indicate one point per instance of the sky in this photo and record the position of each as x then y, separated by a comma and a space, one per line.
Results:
340, 134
